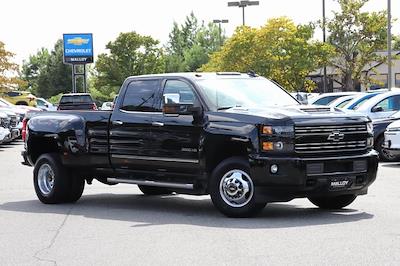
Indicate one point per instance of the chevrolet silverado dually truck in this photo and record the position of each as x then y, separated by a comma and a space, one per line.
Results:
240, 138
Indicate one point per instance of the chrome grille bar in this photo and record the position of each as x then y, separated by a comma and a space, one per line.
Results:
314, 139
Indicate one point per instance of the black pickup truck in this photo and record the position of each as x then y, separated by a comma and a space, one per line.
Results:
76, 101
238, 137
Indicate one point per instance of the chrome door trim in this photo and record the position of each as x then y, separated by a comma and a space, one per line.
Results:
150, 158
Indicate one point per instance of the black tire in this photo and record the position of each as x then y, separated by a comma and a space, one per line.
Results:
333, 203
77, 185
65, 187
150, 190
223, 202
383, 155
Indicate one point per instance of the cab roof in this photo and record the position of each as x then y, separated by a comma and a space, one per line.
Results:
201, 75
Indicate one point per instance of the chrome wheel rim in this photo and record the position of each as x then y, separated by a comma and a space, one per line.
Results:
45, 179
236, 188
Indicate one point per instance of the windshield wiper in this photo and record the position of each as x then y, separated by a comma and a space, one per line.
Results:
225, 108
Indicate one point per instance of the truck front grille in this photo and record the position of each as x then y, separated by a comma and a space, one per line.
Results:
331, 139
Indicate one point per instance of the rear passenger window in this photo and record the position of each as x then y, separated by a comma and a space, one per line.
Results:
326, 100
140, 96
13, 94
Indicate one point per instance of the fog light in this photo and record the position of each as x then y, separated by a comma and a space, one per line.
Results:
274, 169
279, 145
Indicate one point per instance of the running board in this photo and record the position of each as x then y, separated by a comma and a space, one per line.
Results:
150, 183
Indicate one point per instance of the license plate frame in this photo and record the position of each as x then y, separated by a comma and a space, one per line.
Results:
337, 183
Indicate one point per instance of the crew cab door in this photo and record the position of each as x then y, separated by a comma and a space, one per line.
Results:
177, 137
130, 129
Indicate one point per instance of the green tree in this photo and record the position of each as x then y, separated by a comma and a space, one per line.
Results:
396, 44
130, 54
46, 74
356, 36
8, 70
190, 45
280, 50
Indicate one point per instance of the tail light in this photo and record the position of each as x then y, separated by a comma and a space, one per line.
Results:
94, 106
23, 131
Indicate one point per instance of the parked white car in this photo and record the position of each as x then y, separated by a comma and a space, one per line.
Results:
381, 106
327, 98
45, 105
107, 106
5, 133
341, 101
392, 139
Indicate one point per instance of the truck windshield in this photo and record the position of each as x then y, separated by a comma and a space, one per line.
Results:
246, 92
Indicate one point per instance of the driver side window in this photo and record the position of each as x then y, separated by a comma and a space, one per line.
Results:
389, 104
179, 92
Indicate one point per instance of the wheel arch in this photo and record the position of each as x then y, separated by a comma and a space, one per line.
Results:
39, 146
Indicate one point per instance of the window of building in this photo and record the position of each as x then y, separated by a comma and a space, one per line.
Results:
397, 80
378, 81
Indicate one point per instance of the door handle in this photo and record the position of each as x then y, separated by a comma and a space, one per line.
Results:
117, 123
157, 124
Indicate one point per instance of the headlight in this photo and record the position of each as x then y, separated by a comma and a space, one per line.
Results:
370, 128
277, 138
393, 129
3, 122
370, 142
277, 130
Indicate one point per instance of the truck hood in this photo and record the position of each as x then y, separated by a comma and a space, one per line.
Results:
301, 114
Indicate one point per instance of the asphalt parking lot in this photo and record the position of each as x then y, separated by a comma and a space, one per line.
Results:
119, 226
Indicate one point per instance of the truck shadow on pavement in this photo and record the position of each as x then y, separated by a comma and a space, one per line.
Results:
161, 210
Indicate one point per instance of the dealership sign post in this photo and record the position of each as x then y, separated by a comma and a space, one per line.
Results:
78, 50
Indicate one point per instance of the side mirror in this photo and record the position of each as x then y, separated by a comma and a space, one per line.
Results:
172, 106
180, 109
377, 109
46, 105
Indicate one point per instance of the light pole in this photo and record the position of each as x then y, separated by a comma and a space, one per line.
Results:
389, 45
243, 4
220, 21
325, 81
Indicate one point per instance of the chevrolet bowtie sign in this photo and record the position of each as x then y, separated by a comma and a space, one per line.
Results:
78, 48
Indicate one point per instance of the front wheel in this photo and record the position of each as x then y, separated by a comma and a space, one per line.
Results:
232, 189
333, 203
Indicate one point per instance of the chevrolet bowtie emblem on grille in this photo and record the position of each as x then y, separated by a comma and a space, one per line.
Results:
336, 136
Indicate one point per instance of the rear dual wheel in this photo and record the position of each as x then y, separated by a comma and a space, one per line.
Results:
54, 183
